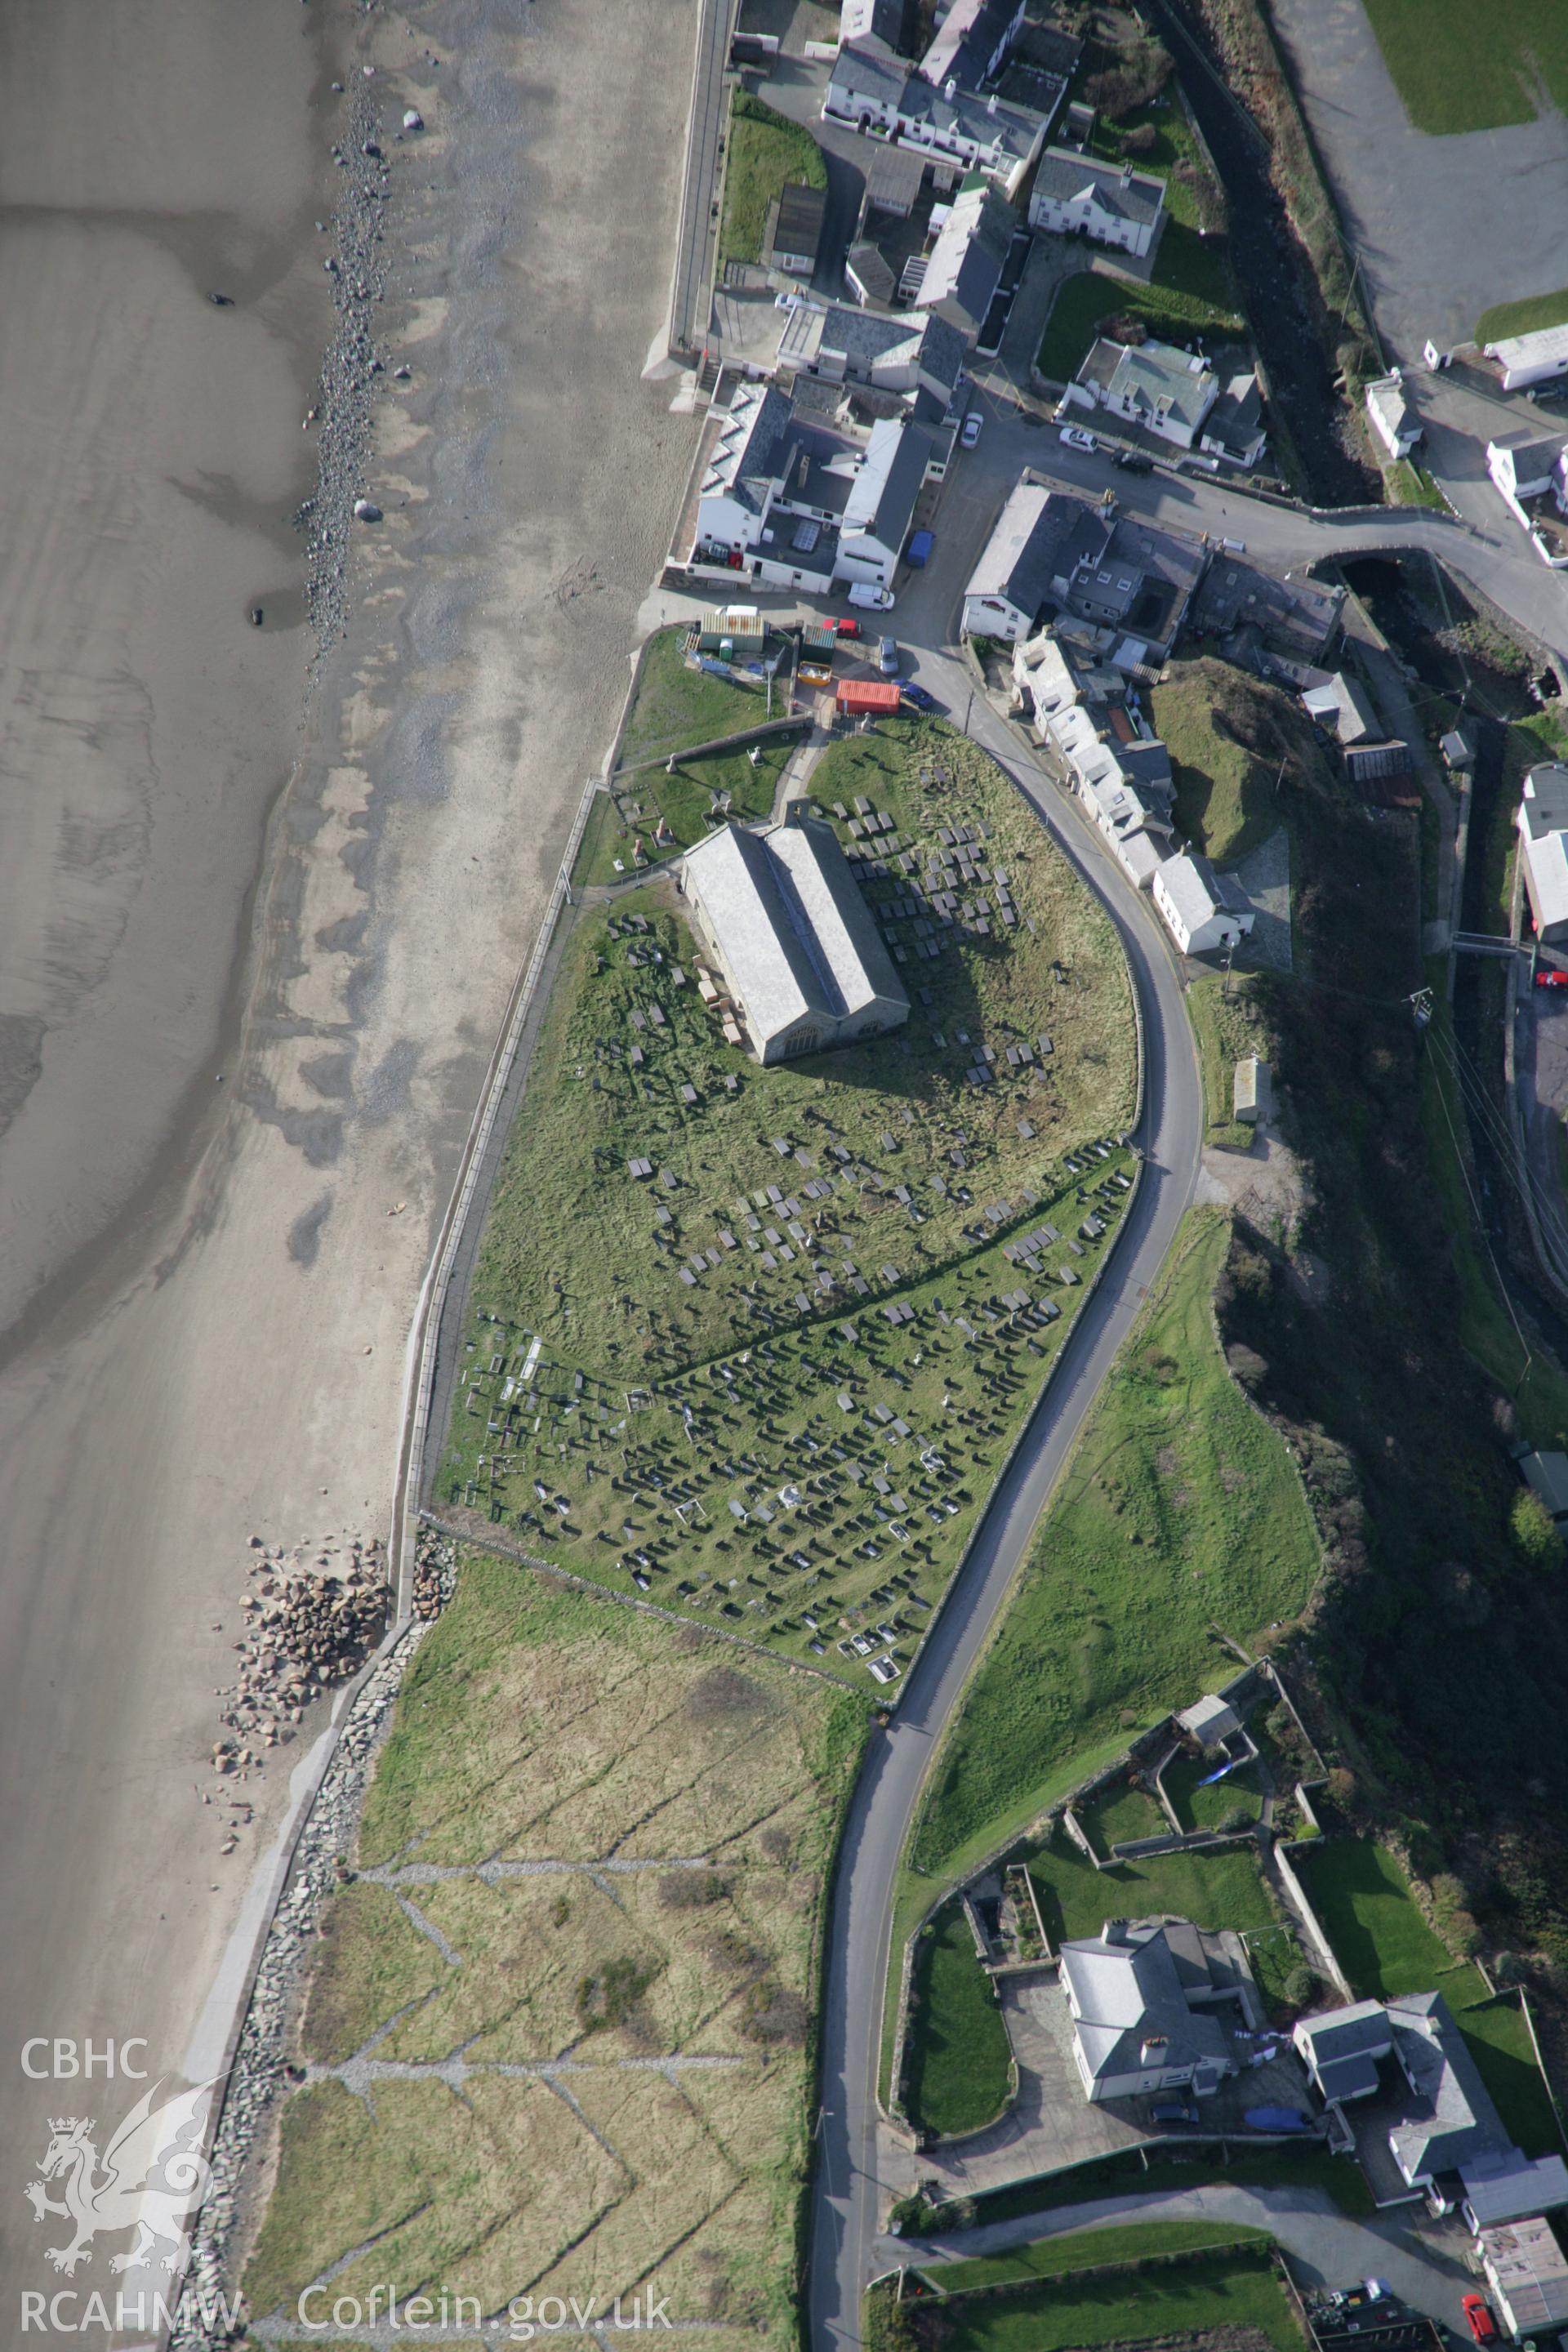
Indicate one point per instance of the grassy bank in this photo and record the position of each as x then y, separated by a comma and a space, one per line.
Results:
1229, 1014
1180, 1509
1380, 1938
765, 150
1338, 2177
1532, 1382
1190, 2296
1241, 750
1083, 2250
772, 1378
557, 1732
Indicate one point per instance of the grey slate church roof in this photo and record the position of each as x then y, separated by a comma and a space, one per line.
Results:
791, 925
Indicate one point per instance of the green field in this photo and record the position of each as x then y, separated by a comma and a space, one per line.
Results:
1121, 1814
1184, 300
1526, 317
1083, 2250
1461, 68
1212, 1890
1234, 2290
777, 1376
765, 150
1200, 1808
553, 1734
1500, 2046
961, 2067
674, 706
1363, 1901
1180, 1508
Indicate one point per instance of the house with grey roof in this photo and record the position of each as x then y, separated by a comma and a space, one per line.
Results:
1523, 464
1542, 823
1166, 391
1075, 195
1281, 627
1202, 910
1390, 415
1137, 1996
865, 85
1210, 1720
949, 125
793, 234
1342, 2049
972, 42
880, 507
781, 918
963, 268
1013, 577
875, 23
1234, 427
1446, 2136
908, 353
803, 505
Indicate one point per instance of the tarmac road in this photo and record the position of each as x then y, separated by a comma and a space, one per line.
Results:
846, 2197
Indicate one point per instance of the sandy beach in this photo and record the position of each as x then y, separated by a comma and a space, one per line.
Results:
205, 1288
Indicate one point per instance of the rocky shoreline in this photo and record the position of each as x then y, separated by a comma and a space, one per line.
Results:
357, 268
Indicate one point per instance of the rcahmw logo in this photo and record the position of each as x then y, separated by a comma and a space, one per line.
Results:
146, 2176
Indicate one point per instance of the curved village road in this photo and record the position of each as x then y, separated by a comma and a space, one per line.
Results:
846, 2195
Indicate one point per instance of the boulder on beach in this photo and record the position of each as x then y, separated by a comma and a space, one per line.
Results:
366, 510
413, 120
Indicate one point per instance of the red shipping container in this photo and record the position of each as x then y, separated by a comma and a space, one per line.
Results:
863, 694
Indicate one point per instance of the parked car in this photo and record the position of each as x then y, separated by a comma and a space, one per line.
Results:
1478, 2311
917, 555
888, 657
1172, 2111
871, 598
1133, 461
1074, 437
847, 627
1548, 979
972, 424
919, 696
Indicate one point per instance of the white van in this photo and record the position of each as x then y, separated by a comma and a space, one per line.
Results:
871, 598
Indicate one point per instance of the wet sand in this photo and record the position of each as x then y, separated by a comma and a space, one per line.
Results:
205, 1291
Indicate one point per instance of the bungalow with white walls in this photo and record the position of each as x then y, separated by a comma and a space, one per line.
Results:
1202, 910
1390, 415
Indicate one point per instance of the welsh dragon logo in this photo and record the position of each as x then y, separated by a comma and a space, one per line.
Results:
149, 2178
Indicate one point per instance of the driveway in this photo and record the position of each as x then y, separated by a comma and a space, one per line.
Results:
1049, 2125
1423, 2265
1444, 226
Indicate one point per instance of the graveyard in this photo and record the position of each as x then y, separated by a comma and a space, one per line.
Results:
755, 1343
